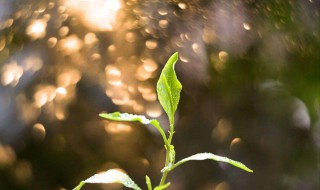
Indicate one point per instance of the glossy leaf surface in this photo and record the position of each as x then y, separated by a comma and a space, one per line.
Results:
210, 156
110, 176
117, 116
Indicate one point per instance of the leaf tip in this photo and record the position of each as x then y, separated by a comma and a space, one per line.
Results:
101, 114
249, 170
175, 55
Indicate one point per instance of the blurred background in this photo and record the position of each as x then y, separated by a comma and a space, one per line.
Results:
250, 72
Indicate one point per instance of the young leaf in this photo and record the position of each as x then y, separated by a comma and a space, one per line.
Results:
210, 156
148, 182
117, 116
169, 88
110, 176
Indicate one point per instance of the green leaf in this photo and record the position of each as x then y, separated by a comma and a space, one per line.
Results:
110, 176
210, 156
117, 116
148, 182
169, 88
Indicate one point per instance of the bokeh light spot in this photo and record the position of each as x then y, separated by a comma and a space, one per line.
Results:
37, 29
222, 131
38, 131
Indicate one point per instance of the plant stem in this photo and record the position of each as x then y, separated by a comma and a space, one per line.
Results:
168, 151
165, 173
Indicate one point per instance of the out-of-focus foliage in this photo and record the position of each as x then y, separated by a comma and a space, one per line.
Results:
251, 78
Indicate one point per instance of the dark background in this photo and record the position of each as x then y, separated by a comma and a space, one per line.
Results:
250, 74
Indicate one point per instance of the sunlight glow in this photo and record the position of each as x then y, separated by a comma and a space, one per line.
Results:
44, 95
68, 77
117, 128
32, 63
154, 110
11, 74
70, 44
222, 131
7, 156
61, 90
37, 29
2, 43
246, 26
52, 42
38, 131
235, 143
96, 14
223, 186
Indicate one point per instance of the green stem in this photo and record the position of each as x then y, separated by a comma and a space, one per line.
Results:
168, 151
158, 127
165, 173
79, 186
171, 132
